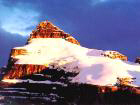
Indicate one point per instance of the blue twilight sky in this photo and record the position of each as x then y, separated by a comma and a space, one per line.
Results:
100, 24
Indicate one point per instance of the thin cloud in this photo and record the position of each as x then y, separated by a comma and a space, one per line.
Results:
18, 20
96, 2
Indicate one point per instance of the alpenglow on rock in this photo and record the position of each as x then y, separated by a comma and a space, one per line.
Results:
49, 48
114, 55
48, 30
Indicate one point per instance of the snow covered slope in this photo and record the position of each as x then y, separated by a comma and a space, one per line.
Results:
45, 50
92, 66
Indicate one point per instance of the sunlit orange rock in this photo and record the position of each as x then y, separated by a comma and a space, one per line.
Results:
48, 30
20, 70
15, 52
114, 55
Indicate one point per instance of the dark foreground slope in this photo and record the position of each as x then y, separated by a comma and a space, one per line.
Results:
57, 89
72, 94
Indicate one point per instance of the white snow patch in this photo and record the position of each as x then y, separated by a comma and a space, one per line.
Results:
31, 81
54, 88
39, 74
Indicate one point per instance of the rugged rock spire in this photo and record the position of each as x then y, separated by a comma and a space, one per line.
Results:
47, 30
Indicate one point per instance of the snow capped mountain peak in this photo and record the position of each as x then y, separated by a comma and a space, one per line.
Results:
51, 48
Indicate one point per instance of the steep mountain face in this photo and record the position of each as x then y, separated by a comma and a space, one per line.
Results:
51, 49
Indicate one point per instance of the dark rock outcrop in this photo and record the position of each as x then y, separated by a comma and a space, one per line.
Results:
137, 60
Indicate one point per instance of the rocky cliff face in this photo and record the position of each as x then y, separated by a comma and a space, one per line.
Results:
18, 70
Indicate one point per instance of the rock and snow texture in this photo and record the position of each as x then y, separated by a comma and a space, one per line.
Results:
93, 68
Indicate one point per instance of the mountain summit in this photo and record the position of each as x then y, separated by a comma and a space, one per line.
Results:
50, 49
47, 30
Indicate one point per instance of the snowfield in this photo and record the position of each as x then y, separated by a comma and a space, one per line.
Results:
93, 68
